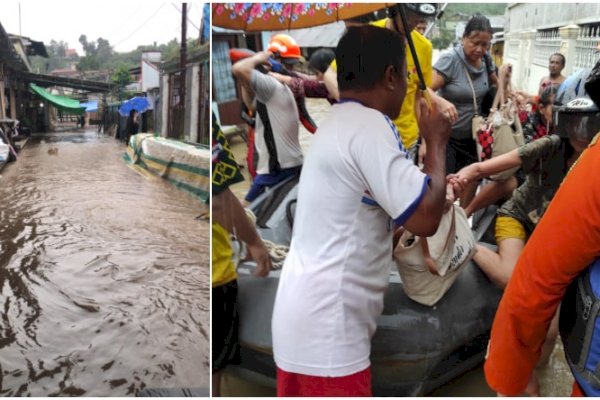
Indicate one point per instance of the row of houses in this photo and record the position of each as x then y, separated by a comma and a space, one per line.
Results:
163, 82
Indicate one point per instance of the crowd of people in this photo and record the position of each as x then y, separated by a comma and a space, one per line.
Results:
390, 155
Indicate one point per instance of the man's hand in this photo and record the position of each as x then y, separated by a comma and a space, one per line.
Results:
262, 57
434, 127
243, 68
260, 254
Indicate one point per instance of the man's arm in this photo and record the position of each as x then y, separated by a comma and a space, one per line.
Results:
242, 70
435, 130
229, 213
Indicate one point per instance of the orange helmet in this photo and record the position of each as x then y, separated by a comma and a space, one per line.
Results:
285, 48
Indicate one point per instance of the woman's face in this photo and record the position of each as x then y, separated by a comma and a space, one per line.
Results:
476, 44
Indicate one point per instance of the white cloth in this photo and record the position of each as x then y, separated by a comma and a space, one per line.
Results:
283, 115
334, 277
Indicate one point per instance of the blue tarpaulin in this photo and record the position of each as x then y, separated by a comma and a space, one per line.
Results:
140, 104
90, 106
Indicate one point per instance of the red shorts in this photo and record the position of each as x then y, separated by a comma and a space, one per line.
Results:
356, 385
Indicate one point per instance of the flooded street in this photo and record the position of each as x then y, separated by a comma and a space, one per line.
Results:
104, 274
555, 378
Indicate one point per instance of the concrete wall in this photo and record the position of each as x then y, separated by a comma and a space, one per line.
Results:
150, 76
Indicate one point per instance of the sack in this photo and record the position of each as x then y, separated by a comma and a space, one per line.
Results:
428, 266
502, 132
476, 124
578, 327
506, 139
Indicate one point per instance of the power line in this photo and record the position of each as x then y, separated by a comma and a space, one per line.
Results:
188, 19
126, 18
141, 26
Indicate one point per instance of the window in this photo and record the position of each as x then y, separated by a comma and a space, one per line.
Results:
223, 82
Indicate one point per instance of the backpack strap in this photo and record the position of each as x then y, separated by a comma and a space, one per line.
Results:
274, 166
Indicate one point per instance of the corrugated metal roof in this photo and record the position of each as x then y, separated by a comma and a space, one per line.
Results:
8, 54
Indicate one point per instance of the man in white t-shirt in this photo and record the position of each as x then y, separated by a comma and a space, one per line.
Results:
357, 181
277, 144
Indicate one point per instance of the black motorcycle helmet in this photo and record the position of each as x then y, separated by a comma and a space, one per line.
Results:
424, 9
576, 115
579, 118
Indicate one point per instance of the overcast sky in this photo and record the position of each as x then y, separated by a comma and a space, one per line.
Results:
126, 24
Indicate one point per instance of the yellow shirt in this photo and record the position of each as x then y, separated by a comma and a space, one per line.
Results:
406, 122
223, 268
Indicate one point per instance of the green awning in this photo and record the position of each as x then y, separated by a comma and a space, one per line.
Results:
60, 102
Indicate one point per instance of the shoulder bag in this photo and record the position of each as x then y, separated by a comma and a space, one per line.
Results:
428, 266
501, 132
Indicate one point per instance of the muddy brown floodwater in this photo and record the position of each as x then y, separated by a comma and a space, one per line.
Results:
104, 274
555, 378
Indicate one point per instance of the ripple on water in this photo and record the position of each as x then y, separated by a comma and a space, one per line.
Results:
104, 278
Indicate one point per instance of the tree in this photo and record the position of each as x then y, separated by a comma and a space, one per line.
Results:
121, 75
443, 40
88, 47
98, 54
104, 50
57, 49
170, 50
121, 78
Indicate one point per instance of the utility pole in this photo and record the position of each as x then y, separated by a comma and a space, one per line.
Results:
183, 54
20, 19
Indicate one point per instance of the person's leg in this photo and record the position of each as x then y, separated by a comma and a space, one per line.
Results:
490, 193
510, 236
256, 189
224, 326
294, 385
499, 266
264, 181
550, 341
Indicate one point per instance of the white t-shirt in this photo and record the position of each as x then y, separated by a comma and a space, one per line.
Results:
355, 176
283, 115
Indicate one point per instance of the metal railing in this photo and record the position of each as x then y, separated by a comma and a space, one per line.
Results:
547, 42
586, 45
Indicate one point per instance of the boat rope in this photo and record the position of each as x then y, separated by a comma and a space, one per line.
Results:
276, 251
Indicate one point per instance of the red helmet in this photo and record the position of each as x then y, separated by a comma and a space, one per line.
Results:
285, 48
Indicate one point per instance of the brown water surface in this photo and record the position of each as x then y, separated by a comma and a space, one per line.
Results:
104, 279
